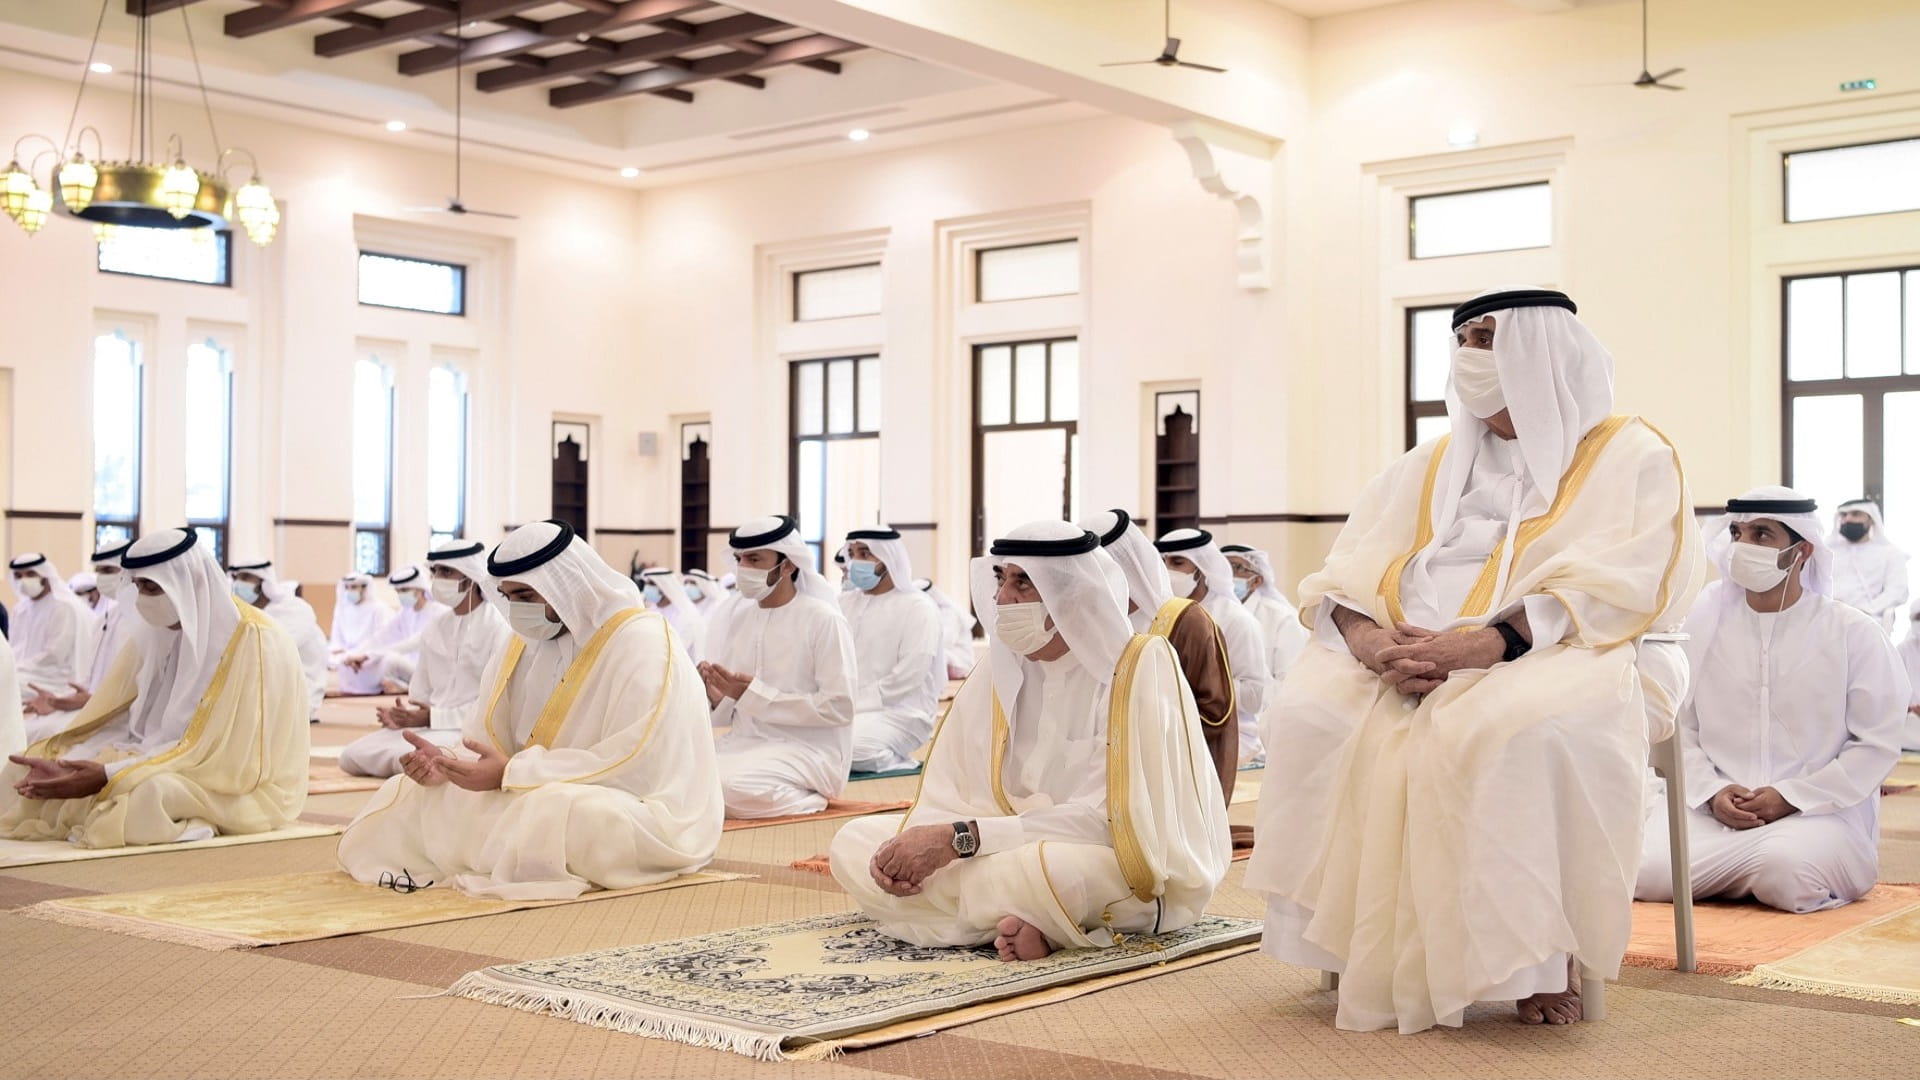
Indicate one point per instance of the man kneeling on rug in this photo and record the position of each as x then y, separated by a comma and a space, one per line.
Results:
1068, 796
589, 763
198, 727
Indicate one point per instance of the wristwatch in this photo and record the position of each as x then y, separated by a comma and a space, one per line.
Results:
1517, 646
966, 841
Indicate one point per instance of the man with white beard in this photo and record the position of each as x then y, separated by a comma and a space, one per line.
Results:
1478, 673
454, 651
780, 672
384, 662
666, 593
1869, 571
589, 765
1067, 798
1200, 573
257, 585
896, 650
52, 629
1793, 723
196, 732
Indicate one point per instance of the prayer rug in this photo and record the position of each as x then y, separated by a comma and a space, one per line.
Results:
811, 988
35, 852
856, 777
821, 864
253, 912
1876, 962
1732, 937
836, 808
328, 779
1896, 789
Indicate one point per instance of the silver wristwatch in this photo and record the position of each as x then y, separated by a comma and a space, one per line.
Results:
965, 840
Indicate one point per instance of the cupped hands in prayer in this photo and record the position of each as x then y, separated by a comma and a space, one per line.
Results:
723, 684
401, 715
1738, 808
430, 765
45, 701
905, 862
62, 779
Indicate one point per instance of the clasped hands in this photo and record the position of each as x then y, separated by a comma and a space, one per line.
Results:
1737, 807
1414, 660
61, 779
723, 684
431, 765
906, 861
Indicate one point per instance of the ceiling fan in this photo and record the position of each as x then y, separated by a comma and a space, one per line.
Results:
1647, 78
1170, 53
454, 203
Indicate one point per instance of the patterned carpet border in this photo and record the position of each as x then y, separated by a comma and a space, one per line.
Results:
809, 988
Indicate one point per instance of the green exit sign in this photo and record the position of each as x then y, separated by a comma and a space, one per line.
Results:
1860, 84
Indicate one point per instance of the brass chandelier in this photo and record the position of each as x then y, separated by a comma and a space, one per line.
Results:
166, 193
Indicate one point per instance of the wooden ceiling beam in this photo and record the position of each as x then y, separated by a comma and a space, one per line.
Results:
155, 7
526, 34
264, 17
653, 80
653, 47
415, 23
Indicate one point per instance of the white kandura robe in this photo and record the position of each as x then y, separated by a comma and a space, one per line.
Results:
113, 635
391, 651
1870, 576
354, 625
1047, 850
624, 793
689, 628
296, 617
1809, 702
791, 743
13, 737
1379, 811
956, 637
1910, 660
454, 652
901, 671
52, 640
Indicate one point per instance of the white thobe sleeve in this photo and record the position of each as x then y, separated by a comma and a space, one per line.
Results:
831, 705
1547, 618
1704, 778
1082, 819
1325, 631
1876, 714
60, 645
909, 692
420, 689
1893, 585
1252, 678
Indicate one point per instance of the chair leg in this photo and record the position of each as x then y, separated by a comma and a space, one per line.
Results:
1682, 869
1330, 980
1593, 996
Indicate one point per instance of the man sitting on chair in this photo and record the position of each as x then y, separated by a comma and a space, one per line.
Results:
1794, 721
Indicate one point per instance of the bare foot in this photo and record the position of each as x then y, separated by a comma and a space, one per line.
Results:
1555, 1009
1020, 940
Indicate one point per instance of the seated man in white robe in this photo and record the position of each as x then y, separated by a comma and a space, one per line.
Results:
1254, 584
51, 631
1910, 660
589, 764
1199, 572
1793, 723
956, 630
86, 586
1023, 834
1869, 570
896, 650
257, 584
357, 618
198, 729
455, 648
384, 662
1452, 807
780, 673
666, 593
44, 702
705, 592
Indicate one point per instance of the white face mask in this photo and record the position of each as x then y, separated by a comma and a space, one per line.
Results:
530, 621
35, 587
1183, 584
449, 592
1022, 627
409, 598
157, 610
354, 596
1477, 381
754, 584
247, 591
109, 582
1755, 568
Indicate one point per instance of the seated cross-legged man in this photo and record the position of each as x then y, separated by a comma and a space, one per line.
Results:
1024, 834
1794, 721
199, 727
52, 630
384, 662
780, 672
256, 584
45, 704
897, 651
455, 650
1200, 573
1453, 801
589, 764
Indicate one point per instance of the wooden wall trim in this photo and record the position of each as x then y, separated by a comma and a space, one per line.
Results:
313, 523
1276, 519
915, 526
635, 532
45, 515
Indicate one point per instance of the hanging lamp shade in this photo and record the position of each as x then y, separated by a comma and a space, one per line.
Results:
75, 180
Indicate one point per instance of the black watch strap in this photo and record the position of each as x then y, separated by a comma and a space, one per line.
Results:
1517, 646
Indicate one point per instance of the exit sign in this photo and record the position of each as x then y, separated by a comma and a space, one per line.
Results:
1860, 84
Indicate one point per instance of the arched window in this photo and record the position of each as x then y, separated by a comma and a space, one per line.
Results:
446, 453
117, 395
372, 463
209, 442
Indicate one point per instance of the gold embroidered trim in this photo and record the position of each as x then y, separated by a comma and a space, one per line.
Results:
554, 713
920, 785
515, 648
653, 719
1162, 628
197, 727
1422, 534
1134, 866
999, 756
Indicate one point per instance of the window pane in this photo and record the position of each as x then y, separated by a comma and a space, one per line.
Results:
1030, 383
1901, 499
1469, 222
413, 284
1024, 478
215, 540
1066, 380
1827, 457
1873, 324
446, 451
1428, 428
1020, 273
853, 486
1849, 181
812, 511
369, 552
870, 394
116, 427
996, 385
1813, 328
810, 410
209, 426
1430, 344
1913, 322
111, 536
840, 397
372, 442
838, 293
196, 255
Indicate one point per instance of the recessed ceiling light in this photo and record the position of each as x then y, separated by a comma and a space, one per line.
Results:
396, 125
100, 67
1463, 137
629, 172
859, 134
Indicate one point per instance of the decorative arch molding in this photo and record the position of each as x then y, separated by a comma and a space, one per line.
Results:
1232, 166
